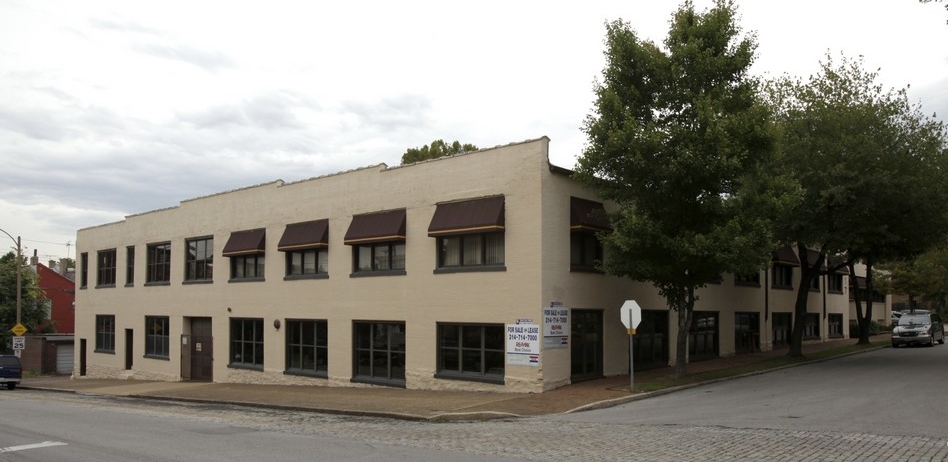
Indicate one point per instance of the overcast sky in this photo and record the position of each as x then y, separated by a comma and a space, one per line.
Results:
115, 108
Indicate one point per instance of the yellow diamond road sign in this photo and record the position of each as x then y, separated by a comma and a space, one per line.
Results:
18, 330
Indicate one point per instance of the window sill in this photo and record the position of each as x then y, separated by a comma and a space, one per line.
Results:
297, 277
246, 280
105, 352
158, 283
158, 357
197, 281
247, 367
470, 269
312, 374
835, 292
130, 285
782, 287
584, 269
105, 286
375, 381
367, 274
492, 379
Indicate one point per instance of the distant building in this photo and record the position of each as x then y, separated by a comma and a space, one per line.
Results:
475, 271
51, 348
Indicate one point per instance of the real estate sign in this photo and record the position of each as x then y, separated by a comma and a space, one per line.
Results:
523, 344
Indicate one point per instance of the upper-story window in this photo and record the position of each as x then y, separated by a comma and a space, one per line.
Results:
199, 259
378, 243
470, 235
83, 270
781, 275
246, 250
130, 265
105, 268
587, 220
815, 283
159, 264
834, 283
752, 280
306, 246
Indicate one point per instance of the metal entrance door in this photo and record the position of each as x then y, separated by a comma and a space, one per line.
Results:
586, 345
197, 352
129, 347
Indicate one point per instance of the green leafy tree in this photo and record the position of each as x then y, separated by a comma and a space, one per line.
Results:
680, 141
438, 148
32, 312
925, 277
871, 168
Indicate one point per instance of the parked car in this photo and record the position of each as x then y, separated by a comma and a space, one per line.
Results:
920, 327
11, 371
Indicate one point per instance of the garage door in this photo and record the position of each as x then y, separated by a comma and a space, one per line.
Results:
64, 358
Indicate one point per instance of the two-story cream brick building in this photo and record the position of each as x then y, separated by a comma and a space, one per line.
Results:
474, 271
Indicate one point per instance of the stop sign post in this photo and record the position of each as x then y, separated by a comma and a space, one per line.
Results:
630, 313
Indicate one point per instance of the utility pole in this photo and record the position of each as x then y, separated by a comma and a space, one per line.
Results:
19, 277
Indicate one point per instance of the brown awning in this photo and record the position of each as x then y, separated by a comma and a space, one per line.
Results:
470, 216
786, 256
306, 235
246, 242
587, 215
376, 227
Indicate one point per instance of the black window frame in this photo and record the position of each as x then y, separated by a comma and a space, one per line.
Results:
105, 268
834, 325
157, 337
454, 353
158, 264
815, 283
105, 333
130, 266
811, 326
481, 240
246, 334
368, 349
242, 261
307, 338
199, 259
781, 277
834, 283
747, 280
377, 270
581, 244
318, 272
83, 270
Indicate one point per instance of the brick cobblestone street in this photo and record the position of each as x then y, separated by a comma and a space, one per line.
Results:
545, 438
541, 439
536, 439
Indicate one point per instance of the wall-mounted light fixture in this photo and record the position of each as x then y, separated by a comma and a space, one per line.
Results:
276, 324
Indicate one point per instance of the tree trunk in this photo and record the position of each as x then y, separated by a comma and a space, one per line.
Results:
685, 314
808, 271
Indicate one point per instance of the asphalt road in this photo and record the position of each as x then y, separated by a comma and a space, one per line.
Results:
891, 391
877, 406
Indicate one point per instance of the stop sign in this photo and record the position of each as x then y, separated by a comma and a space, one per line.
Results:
630, 314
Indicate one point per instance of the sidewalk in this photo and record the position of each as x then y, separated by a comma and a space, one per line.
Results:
409, 404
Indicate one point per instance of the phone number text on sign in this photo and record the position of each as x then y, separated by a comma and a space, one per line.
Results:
523, 338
